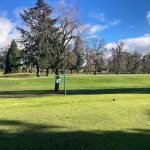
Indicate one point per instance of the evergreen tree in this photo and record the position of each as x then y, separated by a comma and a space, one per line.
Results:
12, 59
3, 53
78, 51
39, 29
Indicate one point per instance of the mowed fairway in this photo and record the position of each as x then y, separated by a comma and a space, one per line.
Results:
86, 119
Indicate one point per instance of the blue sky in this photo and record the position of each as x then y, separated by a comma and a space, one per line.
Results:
110, 19
131, 13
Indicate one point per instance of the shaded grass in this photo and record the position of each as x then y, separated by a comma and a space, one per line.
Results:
37, 93
79, 140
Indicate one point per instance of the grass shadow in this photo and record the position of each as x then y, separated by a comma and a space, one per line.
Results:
111, 91
31, 139
37, 93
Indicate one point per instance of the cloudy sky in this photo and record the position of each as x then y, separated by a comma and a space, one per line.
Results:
112, 20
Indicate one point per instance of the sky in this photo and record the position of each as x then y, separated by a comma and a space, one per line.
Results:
112, 20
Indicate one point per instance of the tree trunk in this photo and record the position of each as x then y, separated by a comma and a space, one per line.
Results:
47, 71
117, 70
37, 70
95, 72
71, 70
118, 66
56, 83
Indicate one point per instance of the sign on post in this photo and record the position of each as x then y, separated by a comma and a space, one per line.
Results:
58, 80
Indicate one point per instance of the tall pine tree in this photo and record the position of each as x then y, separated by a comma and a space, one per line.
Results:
39, 26
12, 59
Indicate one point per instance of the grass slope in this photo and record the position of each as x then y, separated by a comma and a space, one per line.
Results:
76, 122
78, 84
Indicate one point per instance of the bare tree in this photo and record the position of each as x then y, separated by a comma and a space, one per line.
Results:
89, 67
146, 63
136, 62
98, 47
71, 61
117, 53
58, 46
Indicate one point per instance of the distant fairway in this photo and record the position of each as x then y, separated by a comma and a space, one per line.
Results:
77, 84
78, 121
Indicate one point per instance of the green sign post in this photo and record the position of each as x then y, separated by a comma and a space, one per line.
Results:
65, 84
58, 80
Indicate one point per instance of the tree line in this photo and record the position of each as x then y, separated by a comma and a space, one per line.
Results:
81, 59
57, 45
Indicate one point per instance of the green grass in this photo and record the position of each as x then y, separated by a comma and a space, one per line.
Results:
79, 121
78, 84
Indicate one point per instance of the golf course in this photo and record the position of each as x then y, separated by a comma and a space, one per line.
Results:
102, 112
74, 75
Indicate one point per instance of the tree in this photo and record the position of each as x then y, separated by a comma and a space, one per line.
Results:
1, 62
43, 40
12, 59
128, 64
58, 45
89, 67
136, 62
3, 53
98, 53
71, 59
79, 54
39, 26
117, 54
146, 63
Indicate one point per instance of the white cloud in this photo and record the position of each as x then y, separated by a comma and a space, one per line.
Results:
115, 23
94, 28
91, 29
139, 44
7, 32
148, 17
98, 16
109, 46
